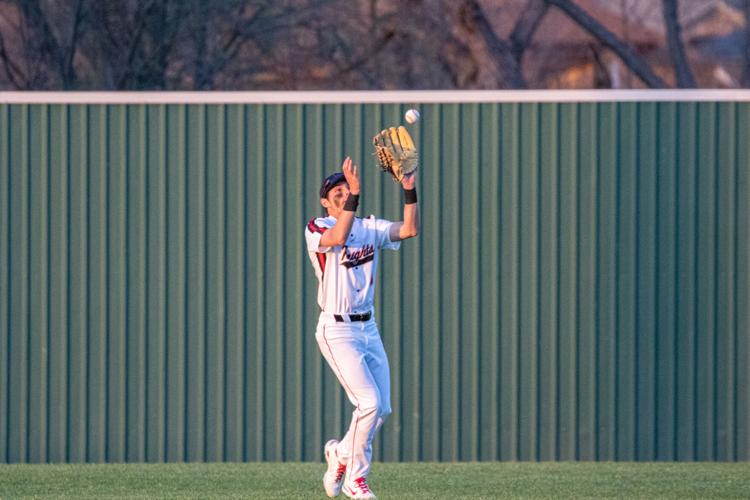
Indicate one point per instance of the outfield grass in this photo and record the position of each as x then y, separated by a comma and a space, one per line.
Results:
388, 480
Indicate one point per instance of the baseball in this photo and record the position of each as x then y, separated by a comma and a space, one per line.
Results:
411, 116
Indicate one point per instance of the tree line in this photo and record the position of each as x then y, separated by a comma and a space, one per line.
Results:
297, 44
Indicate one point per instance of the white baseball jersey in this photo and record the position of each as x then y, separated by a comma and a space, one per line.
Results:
346, 274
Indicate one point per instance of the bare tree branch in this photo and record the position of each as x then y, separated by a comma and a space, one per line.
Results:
200, 76
526, 26
149, 60
474, 20
459, 63
77, 21
48, 44
602, 79
241, 32
609, 39
746, 69
135, 43
11, 69
684, 74
377, 47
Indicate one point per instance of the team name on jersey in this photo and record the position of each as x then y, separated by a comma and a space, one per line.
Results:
351, 258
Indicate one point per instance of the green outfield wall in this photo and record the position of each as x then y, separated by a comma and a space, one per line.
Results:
579, 290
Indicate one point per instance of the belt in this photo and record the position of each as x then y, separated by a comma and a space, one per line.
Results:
354, 317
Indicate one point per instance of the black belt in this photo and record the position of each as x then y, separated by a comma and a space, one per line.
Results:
353, 317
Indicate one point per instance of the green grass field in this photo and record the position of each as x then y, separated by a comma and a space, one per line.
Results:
388, 480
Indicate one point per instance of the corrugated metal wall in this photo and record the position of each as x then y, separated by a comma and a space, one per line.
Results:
580, 289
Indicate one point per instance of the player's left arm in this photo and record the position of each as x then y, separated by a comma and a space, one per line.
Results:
409, 227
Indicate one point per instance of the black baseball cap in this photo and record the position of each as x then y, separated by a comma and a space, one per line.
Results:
331, 182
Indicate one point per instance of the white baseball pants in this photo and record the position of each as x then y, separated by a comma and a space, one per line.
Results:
355, 353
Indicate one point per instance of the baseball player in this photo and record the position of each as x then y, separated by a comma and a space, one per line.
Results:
344, 252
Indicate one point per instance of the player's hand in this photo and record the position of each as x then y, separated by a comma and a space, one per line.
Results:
352, 175
409, 181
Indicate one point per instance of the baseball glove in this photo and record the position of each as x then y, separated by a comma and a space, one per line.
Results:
396, 152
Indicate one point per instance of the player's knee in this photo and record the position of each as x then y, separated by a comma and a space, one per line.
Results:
369, 406
375, 405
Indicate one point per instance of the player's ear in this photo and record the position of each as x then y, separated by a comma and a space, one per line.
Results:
325, 203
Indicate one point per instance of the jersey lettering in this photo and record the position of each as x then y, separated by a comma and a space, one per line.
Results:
356, 257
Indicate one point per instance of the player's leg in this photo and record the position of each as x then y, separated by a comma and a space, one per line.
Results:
377, 364
377, 361
344, 348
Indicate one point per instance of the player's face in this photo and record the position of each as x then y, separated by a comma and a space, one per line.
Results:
338, 195
336, 198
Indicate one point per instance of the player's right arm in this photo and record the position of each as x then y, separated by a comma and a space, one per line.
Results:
337, 235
